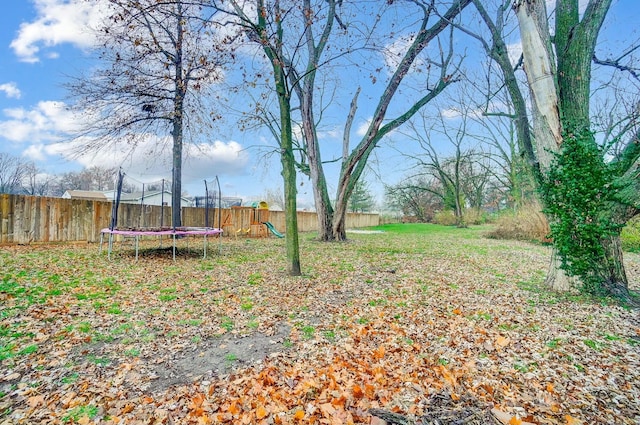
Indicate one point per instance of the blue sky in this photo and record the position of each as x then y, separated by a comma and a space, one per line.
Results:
41, 41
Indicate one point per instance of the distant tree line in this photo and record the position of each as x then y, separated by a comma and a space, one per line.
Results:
22, 176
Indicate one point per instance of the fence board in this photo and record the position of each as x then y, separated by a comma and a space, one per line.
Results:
26, 219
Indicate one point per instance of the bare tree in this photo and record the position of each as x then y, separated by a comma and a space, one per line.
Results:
430, 24
12, 173
92, 178
448, 155
417, 196
37, 183
157, 58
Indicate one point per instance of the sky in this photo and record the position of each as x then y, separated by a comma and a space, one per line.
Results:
43, 42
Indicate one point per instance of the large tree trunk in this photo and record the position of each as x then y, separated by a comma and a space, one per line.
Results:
615, 281
557, 279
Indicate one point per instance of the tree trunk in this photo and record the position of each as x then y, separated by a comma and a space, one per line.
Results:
176, 188
557, 279
615, 281
177, 131
560, 101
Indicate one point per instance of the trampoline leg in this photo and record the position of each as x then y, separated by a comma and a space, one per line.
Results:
205, 247
137, 237
174, 247
110, 246
101, 239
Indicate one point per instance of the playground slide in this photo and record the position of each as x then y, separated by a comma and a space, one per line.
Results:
273, 229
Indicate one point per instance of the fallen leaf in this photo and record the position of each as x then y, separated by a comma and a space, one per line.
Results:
261, 412
573, 421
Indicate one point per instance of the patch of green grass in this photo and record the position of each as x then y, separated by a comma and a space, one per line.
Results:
99, 361
114, 309
70, 379
231, 357
7, 351
610, 337
329, 335
167, 297
74, 415
507, 326
255, 279
554, 343
308, 331
247, 304
122, 329
191, 322
29, 349
481, 315
132, 352
594, 345
227, 324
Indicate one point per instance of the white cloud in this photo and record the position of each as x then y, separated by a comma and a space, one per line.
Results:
514, 50
150, 159
56, 22
47, 121
363, 127
11, 90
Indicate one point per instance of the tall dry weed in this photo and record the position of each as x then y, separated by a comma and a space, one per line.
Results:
526, 223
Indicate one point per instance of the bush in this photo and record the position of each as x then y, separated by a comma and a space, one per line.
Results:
473, 216
445, 218
527, 223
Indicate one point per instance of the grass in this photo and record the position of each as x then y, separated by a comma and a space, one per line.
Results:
438, 294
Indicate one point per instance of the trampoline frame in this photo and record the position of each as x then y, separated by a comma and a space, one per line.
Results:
174, 233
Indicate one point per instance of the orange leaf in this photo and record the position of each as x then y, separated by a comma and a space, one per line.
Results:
233, 408
515, 421
196, 401
261, 412
573, 421
357, 391
299, 415
369, 391
457, 311
550, 387
448, 376
379, 353
502, 341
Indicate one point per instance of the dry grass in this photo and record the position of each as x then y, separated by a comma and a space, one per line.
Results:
528, 223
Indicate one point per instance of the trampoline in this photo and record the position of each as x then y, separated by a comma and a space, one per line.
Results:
174, 233
159, 231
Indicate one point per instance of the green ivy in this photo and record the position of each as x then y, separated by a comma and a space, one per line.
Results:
577, 192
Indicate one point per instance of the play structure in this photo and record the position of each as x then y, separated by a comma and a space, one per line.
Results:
250, 221
146, 228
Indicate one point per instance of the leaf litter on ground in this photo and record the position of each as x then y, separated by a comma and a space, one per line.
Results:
383, 321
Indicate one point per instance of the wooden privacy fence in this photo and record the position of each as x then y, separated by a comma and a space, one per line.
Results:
26, 219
